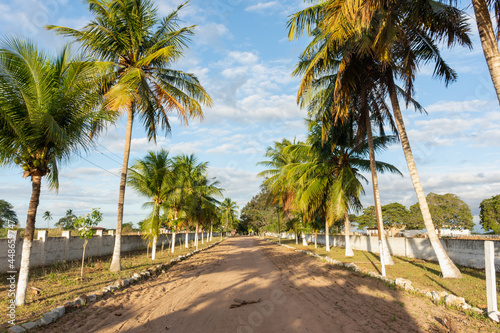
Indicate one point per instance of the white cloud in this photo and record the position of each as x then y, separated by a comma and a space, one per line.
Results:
460, 106
262, 6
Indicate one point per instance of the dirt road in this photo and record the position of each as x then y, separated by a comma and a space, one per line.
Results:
293, 293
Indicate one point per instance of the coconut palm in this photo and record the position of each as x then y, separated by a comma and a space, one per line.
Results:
202, 203
47, 217
152, 177
139, 48
195, 190
489, 40
329, 182
48, 111
400, 35
229, 210
360, 94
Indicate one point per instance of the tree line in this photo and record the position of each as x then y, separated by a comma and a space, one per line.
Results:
54, 107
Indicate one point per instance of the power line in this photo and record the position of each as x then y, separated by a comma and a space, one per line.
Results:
109, 151
98, 166
112, 159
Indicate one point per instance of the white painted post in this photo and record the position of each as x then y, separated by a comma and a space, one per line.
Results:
66, 234
491, 288
42, 237
98, 233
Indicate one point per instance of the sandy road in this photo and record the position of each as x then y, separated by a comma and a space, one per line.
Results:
295, 293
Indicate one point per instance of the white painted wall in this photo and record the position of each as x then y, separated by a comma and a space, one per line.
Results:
46, 251
463, 252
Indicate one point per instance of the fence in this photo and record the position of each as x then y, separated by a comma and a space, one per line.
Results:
49, 250
464, 252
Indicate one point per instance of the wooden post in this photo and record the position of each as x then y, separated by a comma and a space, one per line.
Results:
491, 288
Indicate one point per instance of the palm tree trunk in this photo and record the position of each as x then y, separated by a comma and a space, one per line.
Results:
385, 256
85, 242
304, 240
197, 233
187, 238
315, 239
173, 242
327, 236
115, 262
488, 42
211, 229
448, 268
347, 226
22, 284
153, 248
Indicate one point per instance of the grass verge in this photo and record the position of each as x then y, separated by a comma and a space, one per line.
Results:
60, 283
423, 274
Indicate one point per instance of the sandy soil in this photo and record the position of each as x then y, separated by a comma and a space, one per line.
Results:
294, 293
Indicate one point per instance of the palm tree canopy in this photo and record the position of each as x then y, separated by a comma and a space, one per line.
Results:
49, 107
138, 48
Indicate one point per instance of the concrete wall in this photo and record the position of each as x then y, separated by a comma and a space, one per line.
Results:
49, 250
463, 252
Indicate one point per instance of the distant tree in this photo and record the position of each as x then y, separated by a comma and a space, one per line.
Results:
127, 227
7, 214
367, 219
447, 211
489, 214
67, 222
47, 217
395, 215
258, 212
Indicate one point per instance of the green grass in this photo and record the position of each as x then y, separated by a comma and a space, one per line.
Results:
424, 274
61, 282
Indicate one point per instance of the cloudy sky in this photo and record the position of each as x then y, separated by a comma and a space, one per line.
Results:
241, 54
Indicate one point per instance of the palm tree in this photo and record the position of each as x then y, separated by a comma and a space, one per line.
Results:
195, 190
47, 217
489, 40
152, 177
229, 210
400, 35
329, 181
48, 111
139, 47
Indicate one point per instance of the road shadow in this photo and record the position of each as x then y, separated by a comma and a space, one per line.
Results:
293, 292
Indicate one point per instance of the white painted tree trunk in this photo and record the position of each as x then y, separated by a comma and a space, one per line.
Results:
116, 261
153, 250
448, 268
304, 240
22, 284
315, 240
327, 236
173, 242
385, 256
347, 226
187, 239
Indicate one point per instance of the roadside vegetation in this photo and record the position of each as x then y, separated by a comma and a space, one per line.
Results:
53, 285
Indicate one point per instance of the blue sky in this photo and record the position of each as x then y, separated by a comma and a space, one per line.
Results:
241, 54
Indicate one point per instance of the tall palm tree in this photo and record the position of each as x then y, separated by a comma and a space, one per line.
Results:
195, 190
152, 177
329, 179
400, 35
359, 94
229, 210
48, 111
47, 217
489, 40
139, 48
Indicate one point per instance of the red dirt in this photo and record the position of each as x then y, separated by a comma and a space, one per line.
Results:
294, 293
